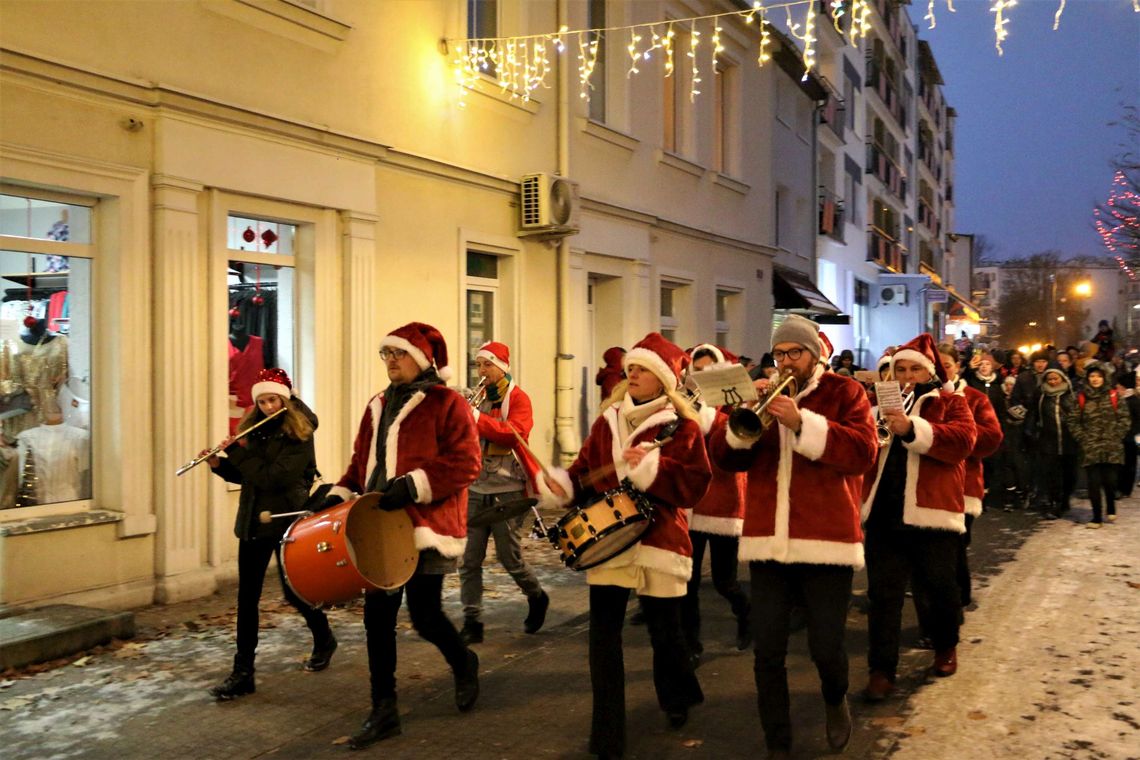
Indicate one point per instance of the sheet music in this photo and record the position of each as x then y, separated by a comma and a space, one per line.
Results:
888, 394
725, 385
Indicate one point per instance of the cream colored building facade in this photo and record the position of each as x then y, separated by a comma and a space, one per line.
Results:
340, 120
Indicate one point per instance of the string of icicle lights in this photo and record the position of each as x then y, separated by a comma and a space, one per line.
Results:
522, 64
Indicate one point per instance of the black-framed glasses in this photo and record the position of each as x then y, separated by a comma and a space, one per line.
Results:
792, 353
392, 353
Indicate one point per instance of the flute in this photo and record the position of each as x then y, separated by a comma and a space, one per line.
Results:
197, 461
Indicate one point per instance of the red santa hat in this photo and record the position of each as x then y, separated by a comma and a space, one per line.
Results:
826, 349
272, 380
423, 343
496, 353
720, 354
665, 360
885, 359
924, 351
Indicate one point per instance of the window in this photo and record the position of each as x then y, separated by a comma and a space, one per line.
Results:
668, 312
677, 114
483, 22
261, 284
46, 330
849, 99
725, 116
726, 308
480, 307
596, 19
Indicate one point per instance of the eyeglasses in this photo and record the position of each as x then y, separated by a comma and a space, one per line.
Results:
392, 353
792, 353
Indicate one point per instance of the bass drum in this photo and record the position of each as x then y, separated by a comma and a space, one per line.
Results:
348, 550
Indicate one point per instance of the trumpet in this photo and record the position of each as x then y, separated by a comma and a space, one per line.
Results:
882, 429
750, 423
198, 460
478, 394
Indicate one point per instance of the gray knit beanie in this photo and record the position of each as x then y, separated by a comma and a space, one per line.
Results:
797, 329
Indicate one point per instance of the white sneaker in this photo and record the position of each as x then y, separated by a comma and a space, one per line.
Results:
1111, 518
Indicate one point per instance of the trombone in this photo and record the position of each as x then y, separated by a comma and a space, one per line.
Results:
749, 423
198, 460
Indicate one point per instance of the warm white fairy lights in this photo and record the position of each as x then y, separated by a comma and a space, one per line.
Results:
522, 64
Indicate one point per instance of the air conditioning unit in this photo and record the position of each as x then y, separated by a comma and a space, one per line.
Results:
549, 205
892, 295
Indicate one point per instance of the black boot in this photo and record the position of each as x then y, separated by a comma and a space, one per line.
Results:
743, 632
472, 631
382, 723
467, 683
322, 654
536, 613
239, 683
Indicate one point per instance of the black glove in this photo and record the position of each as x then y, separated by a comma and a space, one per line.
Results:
331, 501
397, 495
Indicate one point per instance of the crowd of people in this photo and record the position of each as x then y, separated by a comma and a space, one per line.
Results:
833, 468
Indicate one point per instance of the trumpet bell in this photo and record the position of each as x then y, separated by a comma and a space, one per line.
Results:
750, 423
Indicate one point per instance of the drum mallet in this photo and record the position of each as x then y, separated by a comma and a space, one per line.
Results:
267, 517
539, 530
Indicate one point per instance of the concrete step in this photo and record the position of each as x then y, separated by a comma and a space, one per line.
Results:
45, 633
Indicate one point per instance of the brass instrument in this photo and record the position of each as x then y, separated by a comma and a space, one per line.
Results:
198, 460
750, 423
478, 394
882, 430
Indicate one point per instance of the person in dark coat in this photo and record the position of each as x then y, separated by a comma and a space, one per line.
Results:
1099, 421
612, 373
1106, 348
275, 466
1013, 472
1126, 391
1056, 446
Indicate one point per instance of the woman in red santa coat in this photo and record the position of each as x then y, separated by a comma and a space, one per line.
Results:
801, 534
715, 521
674, 475
914, 513
417, 446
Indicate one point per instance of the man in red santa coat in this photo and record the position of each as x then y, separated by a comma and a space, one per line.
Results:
715, 521
674, 473
801, 533
914, 512
417, 446
507, 471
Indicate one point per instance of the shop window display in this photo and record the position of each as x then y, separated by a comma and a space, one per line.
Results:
45, 342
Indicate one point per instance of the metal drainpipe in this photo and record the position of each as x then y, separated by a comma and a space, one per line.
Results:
815, 189
565, 429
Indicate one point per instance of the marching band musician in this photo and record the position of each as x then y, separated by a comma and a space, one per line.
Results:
988, 441
275, 466
418, 448
913, 513
801, 534
715, 522
646, 435
507, 470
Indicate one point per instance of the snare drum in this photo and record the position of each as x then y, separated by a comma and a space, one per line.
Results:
348, 550
588, 536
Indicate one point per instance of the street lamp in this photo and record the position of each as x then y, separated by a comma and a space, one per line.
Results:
1083, 289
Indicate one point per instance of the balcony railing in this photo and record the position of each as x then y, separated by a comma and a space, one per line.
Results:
887, 90
834, 111
830, 214
885, 250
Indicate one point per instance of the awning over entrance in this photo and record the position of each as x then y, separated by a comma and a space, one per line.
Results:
794, 291
960, 309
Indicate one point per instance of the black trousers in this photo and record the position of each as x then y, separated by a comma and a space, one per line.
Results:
673, 676
253, 561
776, 588
425, 609
1102, 481
1127, 479
893, 555
722, 559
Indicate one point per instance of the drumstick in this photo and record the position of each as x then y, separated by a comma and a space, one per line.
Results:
267, 517
522, 442
593, 476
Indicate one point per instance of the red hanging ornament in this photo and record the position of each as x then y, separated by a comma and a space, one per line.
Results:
257, 300
249, 235
30, 321
269, 237
235, 312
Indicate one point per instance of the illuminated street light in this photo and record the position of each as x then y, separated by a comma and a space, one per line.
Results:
1033, 324
1083, 289
1023, 350
1035, 348
1061, 318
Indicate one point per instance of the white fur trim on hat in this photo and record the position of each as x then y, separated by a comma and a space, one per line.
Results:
718, 355
914, 356
268, 386
643, 357
395, 341
485, 354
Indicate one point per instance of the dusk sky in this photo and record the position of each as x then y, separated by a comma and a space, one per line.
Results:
1033, 146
